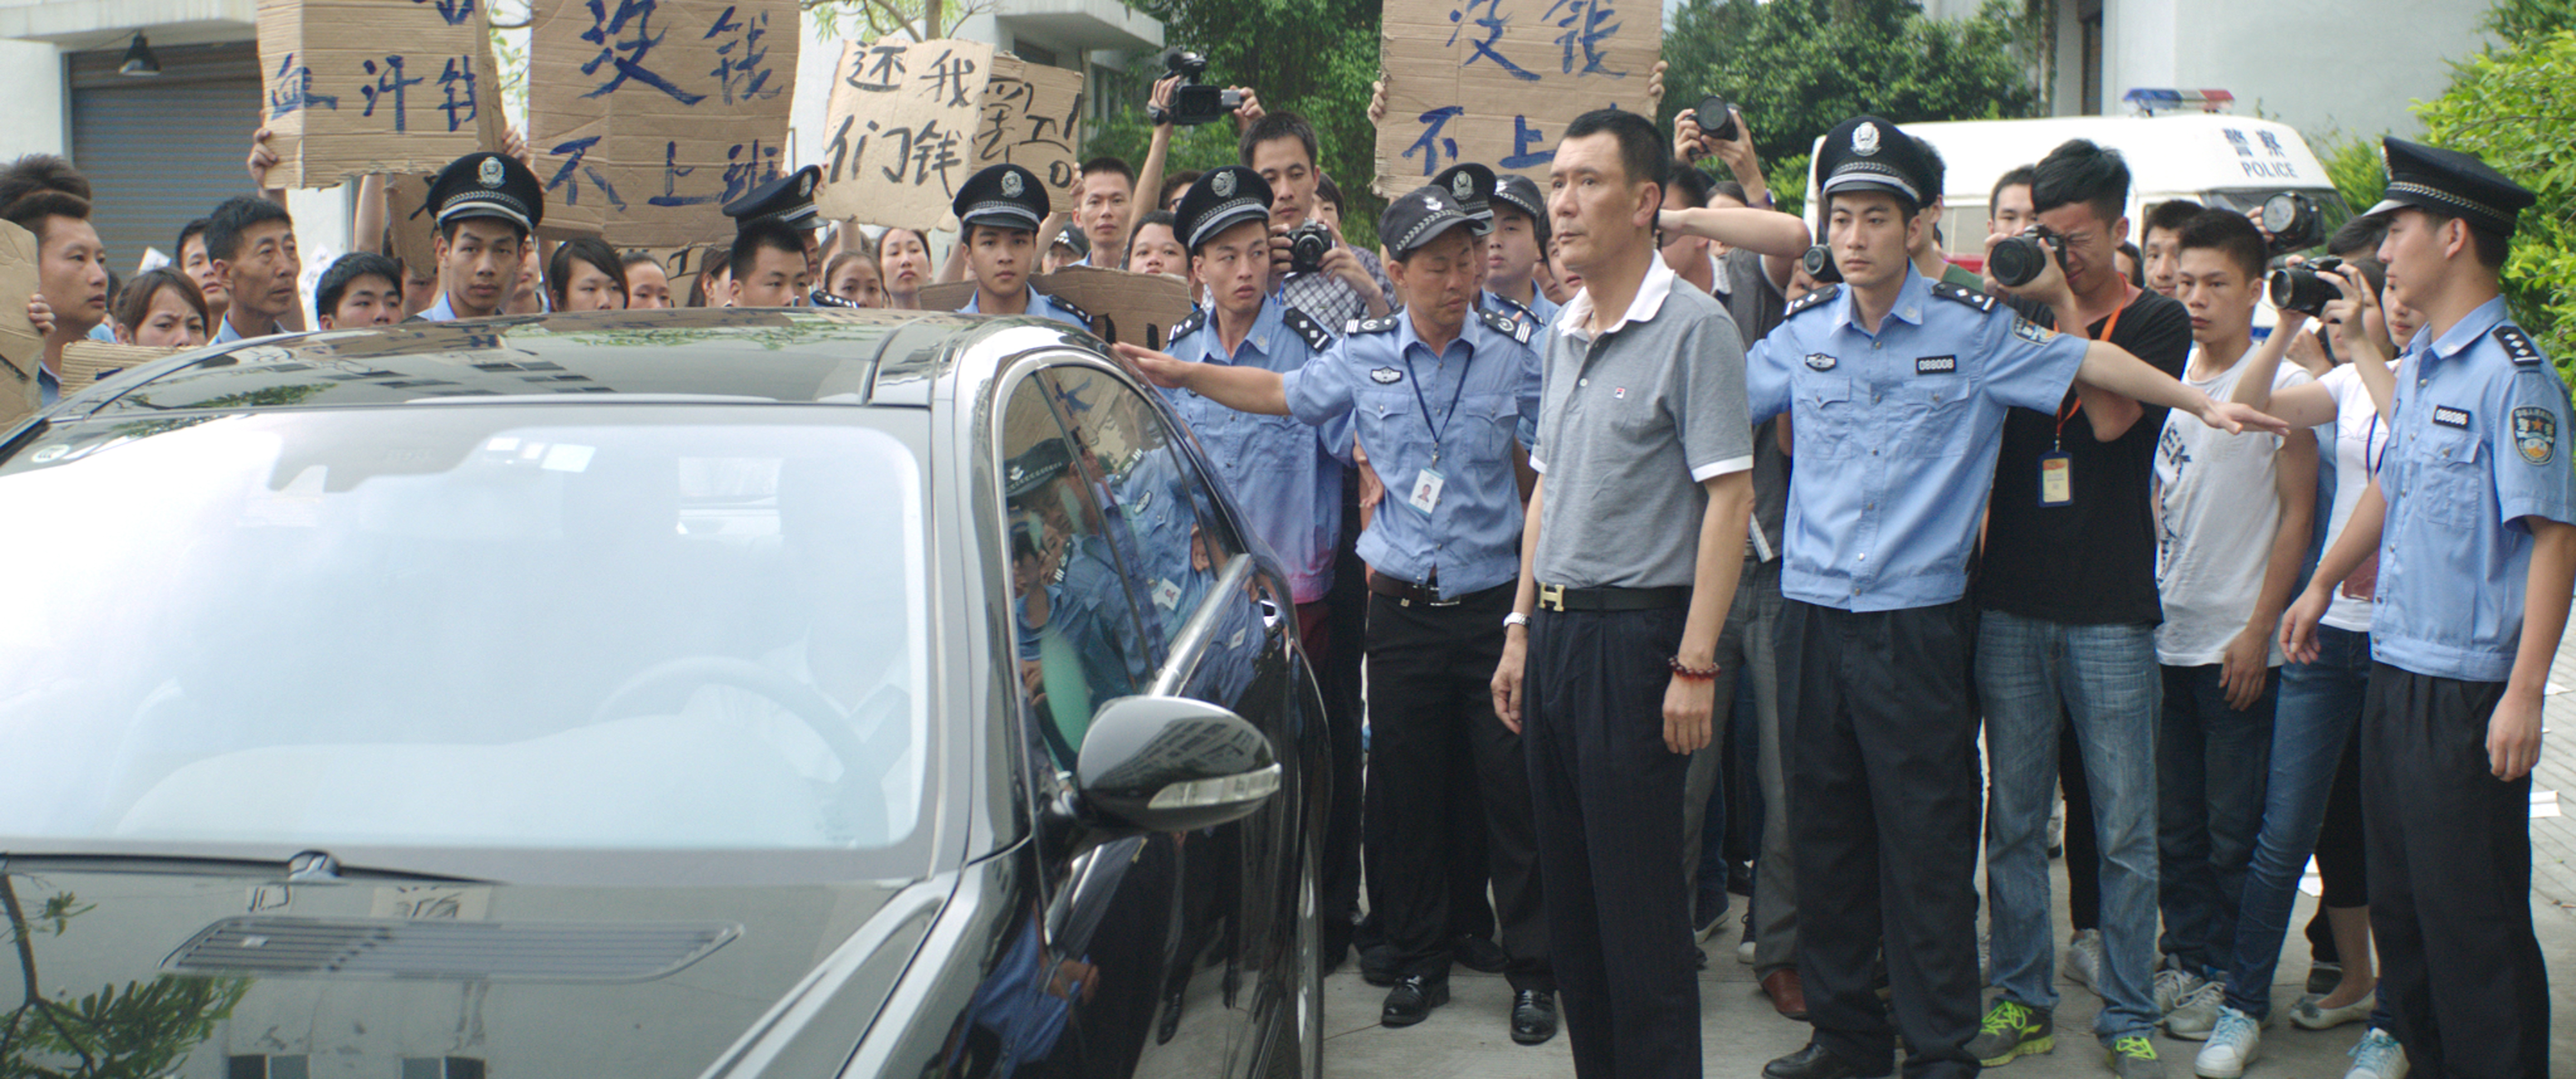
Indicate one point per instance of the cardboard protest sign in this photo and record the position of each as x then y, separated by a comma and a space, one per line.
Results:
1032, 117
647, 116
352, 87
1496, 81
408, 218
87, 362
1133, 307
898, 129
21, 348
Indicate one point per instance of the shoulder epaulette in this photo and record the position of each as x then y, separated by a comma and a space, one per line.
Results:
1813, 299
1070, 308
1380, 324
1970, 297
1308, 327
2517, 344
1190, 325
1517, 329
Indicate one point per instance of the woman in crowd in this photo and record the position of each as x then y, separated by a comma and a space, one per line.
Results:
853, 275
585, 274
903, 258
648, 285
163, 308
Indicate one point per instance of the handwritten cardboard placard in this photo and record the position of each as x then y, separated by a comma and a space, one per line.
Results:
413, 229
1496, 81
647, 116
88, 362
1134, 307
1032, 117
898, 129
362, 86
21, 347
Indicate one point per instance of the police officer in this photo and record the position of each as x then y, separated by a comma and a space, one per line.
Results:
789, 201
1437, 392
998, 211
488, 205
1519, 246
1897, 388
2470, 517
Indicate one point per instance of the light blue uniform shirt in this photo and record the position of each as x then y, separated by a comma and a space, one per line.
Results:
1283, 474
1383, 377
1041, 305
1896, 434
440, 311
2479, 443
1540, 309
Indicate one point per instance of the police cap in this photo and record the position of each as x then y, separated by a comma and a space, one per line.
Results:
1003, 196
788, 200
1866, 153
1419, 216
1219, 201
1473, 186
1032, 469
2450, 182
488, 185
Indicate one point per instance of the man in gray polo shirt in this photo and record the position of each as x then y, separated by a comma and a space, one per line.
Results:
1642, 424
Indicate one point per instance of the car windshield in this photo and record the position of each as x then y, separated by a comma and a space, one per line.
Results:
612, 628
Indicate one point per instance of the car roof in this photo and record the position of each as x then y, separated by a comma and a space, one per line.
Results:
829, 355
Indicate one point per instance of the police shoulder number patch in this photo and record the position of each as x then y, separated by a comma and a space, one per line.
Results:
1505, 324
2535, 434
2031, 331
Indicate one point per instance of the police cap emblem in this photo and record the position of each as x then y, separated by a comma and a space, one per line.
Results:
489, 173
1011, 186
1463, 185
1865, 139
1222, 184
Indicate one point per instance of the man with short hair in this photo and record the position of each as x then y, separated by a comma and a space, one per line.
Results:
768, 267
487, 206
360, 289
1100, 207
1350, 284
787, 201
1928, 255
1517, 250
1629, 558
2066, 628
193, 262
2470, 518
998, 211
251, 242
2008, 209
1898, 387
2156, 242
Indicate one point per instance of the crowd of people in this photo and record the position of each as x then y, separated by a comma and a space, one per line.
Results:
1644, 511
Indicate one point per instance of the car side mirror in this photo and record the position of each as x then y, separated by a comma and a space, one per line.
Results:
1173, 764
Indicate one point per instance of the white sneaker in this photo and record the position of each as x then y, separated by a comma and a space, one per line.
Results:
2172, 986
2232, 1044
2377, 1057
2197, 1015
2084, 960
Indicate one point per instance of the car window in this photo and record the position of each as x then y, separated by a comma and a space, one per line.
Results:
1077, 638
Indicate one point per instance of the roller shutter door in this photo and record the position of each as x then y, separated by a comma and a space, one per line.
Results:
160, 152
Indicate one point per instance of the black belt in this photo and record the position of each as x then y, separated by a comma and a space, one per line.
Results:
1559, 598
1409, 593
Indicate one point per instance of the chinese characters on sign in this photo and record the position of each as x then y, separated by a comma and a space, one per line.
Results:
1032, 117
896, 129
1497, 80
363, 86
649, 115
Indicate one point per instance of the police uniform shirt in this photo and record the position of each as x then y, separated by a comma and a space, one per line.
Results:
2479, 441
1041, 305
1284, 477
1540, 311
439, 311
1465, 405
1895, 435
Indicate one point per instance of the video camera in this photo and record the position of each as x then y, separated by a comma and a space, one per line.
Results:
1193, 102
1307, 245
2305, 288
2018, 260
2293, 221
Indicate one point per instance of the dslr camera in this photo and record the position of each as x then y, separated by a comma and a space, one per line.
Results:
1307, 246
1723, 127
2294, 222
1193, 102
2305, 288
1819, 263
2018, 260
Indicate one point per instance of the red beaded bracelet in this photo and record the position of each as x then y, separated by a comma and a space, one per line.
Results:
1689, 673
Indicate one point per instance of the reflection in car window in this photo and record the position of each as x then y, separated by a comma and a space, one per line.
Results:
1078, 640
523, 627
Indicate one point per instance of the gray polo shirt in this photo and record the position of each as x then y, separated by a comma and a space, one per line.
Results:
1758, 307
1630, 424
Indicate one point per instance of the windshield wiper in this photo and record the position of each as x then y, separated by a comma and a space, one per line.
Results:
312, 866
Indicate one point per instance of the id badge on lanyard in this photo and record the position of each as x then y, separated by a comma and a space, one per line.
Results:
2057, 467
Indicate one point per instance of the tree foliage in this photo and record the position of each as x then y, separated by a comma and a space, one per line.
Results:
1798, 67
133, 1031
2513, 106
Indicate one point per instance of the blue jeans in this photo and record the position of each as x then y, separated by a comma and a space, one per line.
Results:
2105, 678
2211, 764
2320, 707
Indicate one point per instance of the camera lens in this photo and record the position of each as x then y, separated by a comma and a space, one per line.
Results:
1715, 118
1819, 264
2279, 212
2016, 260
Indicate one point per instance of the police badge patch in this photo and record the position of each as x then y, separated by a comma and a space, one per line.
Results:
1386, 376
1223, 184
1011, 186
1463, 185
1865, 139
2031, 331
1818, 361
2535, 433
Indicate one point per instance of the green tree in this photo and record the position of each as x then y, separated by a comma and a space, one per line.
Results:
2512, 106
134, 1031
1798, 67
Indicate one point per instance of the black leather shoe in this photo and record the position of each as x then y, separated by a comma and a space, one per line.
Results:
1533, 1016
1378, 965
1479, 955
1812, 1062
1412, 999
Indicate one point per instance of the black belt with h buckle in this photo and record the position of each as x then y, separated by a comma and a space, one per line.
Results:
1559, 598
1408, 593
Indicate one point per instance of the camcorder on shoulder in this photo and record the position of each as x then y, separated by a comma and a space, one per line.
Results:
2294, 222
2018, 260
1193, 102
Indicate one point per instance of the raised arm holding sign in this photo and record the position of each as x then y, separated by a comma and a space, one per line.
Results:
1496, 81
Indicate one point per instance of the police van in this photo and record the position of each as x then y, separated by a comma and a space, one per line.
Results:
2229, 162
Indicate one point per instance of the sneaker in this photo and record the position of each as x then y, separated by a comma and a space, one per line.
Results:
2172, 986
2197, 1015
1744, 948
2012, 1030
2134, 1057
2324, 977
2310, 1014
2232, 1044
2084, 960
2377, 1057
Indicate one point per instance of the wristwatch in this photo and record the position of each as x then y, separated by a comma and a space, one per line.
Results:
1515, 619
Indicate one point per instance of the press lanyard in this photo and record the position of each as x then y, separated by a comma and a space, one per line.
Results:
1415, 377
2057, 440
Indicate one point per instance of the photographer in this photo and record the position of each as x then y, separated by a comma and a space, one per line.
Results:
1342, 283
